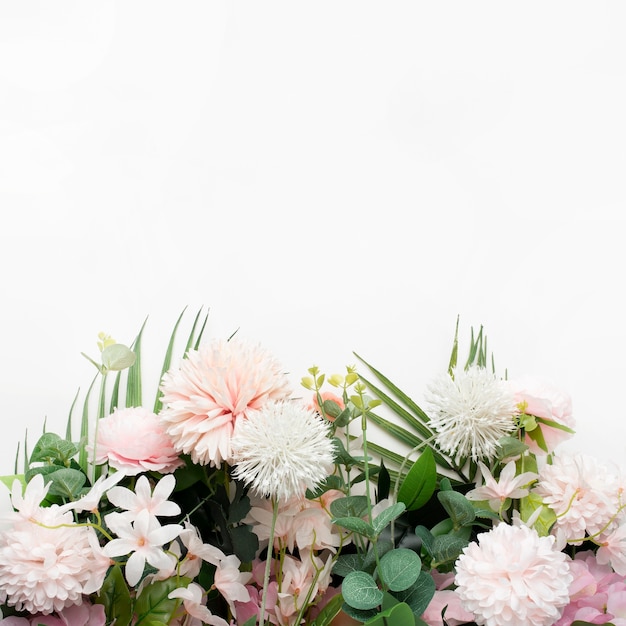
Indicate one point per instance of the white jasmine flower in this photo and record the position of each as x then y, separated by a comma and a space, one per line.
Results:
193, 598
470, 412
143, 540
513, 577
283, 450
155, 501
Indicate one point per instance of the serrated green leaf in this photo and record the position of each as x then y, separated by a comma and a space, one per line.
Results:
399, 569
419, 484
360, 591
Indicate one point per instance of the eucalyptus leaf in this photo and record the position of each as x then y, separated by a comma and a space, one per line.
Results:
458, 507
356, 525
117, 357
346, 563
399, 569
67, 483
381, 521
349, 506
360, 591
419, 594
399, 614
446, 549
51, 448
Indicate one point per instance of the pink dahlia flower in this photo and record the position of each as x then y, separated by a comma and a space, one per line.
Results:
132, 441
513, 577
216, 386
546, 401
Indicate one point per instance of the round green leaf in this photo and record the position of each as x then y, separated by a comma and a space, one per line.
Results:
360, 591
400, 568
117, 357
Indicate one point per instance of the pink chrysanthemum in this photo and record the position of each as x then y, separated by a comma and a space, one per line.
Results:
215, 387
132, 441
45, 569
513, 577
584, 494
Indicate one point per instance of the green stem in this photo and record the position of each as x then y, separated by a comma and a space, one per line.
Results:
268, 562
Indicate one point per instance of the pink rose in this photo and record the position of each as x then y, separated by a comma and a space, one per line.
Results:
133, 441
545, 401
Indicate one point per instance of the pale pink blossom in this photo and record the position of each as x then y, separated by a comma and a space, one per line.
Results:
48, 565
455, 614
91, 500
612, 550
543, 399
584, 494
27, 503
143, 539
133, 440
144, 498
230, 581
214, 388
195, 607
511, 576
196, 551
85, 614
597, 593
508, 485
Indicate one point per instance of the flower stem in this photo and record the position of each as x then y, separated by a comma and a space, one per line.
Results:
268, 562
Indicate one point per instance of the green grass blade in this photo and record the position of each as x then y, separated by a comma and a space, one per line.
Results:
84, 428
17, 456
133, 379
455, 348
167, 360
197, 344
68, 427
115, 393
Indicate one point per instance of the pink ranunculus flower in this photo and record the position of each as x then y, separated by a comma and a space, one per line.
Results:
544, 400
85, 614
133, 440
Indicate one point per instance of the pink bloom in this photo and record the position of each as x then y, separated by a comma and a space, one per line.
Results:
215, 387
230, 582
196, 551
597, 593
84, 614
546, 401
49, 565
455, 613
133, 440
507, 486
613, 550
194, 604
513, 576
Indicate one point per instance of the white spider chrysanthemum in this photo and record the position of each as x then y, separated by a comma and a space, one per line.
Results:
470, 412
283, 450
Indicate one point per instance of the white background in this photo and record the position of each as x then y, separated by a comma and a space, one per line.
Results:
326, 177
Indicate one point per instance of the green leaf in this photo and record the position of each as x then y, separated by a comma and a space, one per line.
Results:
117, 357
245, 542
51, 448
419, 594
346, 563
328, 613
360, 591
349, 506
356, 525
458, 507
381, 521
510, 447
546, 519
152, 603
446, 549
134, 395
67, 483
399, 569
115, 597
399, 614
427, 538
419, 484
375, 553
